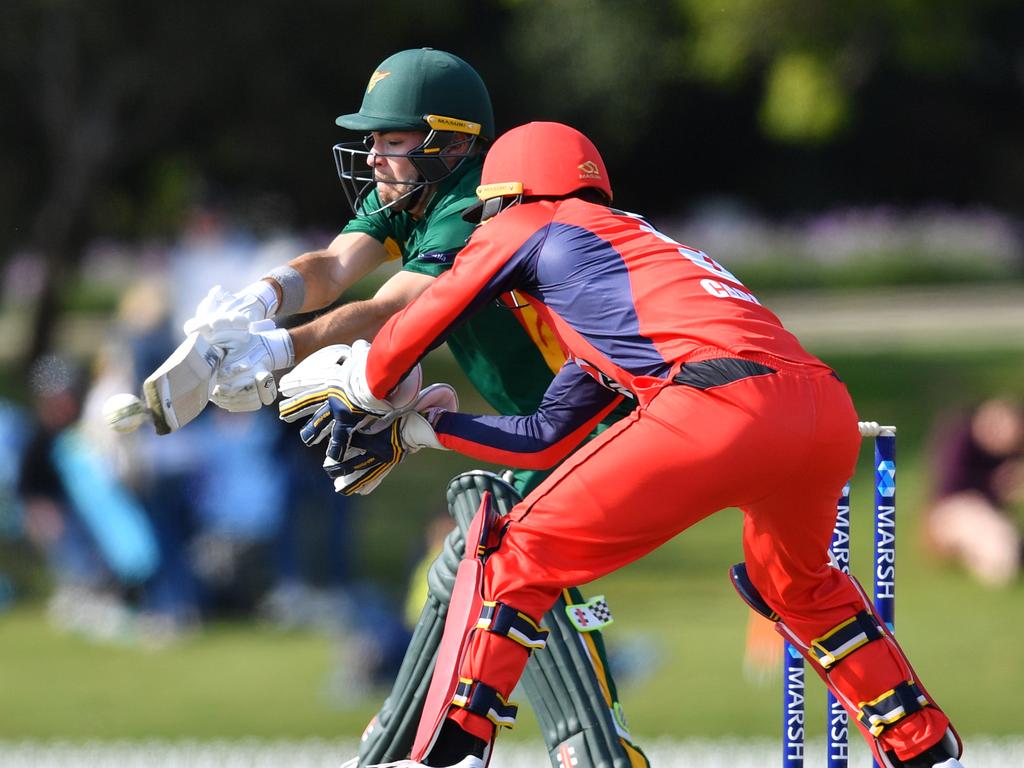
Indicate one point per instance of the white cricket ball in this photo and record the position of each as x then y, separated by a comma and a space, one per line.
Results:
124, 412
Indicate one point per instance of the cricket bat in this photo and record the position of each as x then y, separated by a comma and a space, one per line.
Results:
179, 390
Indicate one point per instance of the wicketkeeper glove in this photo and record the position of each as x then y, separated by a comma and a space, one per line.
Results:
317, 390
359, 465
299, 384
337, 417
353, 382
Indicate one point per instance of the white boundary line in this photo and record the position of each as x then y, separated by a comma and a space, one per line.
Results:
981, 752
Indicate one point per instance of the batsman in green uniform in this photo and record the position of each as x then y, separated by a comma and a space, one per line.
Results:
427, 118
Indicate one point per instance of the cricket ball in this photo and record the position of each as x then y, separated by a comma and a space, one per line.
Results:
124, 412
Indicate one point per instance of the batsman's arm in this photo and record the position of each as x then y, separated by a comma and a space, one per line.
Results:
328, 273
359, 319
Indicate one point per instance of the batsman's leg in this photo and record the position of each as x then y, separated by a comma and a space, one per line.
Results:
389, 735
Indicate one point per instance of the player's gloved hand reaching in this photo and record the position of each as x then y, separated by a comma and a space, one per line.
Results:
244, 380
342, 368
361, 458
337, 417
253, 345
257, 301
308, 391
368, 436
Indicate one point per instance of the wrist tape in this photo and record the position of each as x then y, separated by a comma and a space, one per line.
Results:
293, 288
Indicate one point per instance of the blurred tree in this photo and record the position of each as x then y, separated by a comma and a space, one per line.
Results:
780, 101
93, 87
119, 114
814, 56
122, 112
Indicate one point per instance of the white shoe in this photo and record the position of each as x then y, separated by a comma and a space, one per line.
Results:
951, 763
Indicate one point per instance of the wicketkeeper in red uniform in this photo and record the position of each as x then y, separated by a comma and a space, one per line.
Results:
732, 412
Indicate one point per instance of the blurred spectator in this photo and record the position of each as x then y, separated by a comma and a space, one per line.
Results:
437, 530
158, 470
14, 432
145, 536
978, 476
93, 534
239, 493
267, 529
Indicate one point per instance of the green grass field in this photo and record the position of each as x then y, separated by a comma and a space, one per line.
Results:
238, 680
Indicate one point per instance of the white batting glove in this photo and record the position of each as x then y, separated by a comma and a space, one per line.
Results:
257, 301
374, 450
244, 380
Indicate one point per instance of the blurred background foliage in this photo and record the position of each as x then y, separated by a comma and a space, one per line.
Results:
810, 144
117, 114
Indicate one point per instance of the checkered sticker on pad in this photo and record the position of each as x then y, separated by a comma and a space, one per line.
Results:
591, 615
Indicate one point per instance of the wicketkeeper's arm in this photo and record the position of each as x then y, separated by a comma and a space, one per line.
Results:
572, 406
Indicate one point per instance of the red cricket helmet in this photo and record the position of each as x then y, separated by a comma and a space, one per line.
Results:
539, 159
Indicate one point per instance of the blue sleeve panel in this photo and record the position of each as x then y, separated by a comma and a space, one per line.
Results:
573, 405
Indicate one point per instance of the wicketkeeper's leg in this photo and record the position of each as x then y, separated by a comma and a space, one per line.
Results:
691, 455
568, 683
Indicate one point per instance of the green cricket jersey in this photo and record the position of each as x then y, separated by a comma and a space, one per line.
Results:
510, 368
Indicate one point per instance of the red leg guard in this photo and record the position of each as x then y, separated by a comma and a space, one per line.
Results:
876, 667
463, 612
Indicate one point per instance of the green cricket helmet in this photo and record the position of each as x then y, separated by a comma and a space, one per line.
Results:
416, 90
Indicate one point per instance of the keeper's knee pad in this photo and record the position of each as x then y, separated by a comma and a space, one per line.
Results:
567, 683
858, 640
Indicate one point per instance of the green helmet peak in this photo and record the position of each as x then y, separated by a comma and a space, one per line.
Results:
415, 90
412, 84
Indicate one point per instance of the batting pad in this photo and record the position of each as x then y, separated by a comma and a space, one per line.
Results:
567, 683
571, 690
390, 734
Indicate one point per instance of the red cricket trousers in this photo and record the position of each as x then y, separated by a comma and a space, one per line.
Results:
779, 446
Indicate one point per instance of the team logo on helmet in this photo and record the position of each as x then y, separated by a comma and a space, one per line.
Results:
375, 78
589, 170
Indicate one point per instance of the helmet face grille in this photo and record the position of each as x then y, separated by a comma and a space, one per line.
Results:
358, 180
440, 155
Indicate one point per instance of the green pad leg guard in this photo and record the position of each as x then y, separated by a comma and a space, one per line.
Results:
568, 683
571, 690
390, 734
